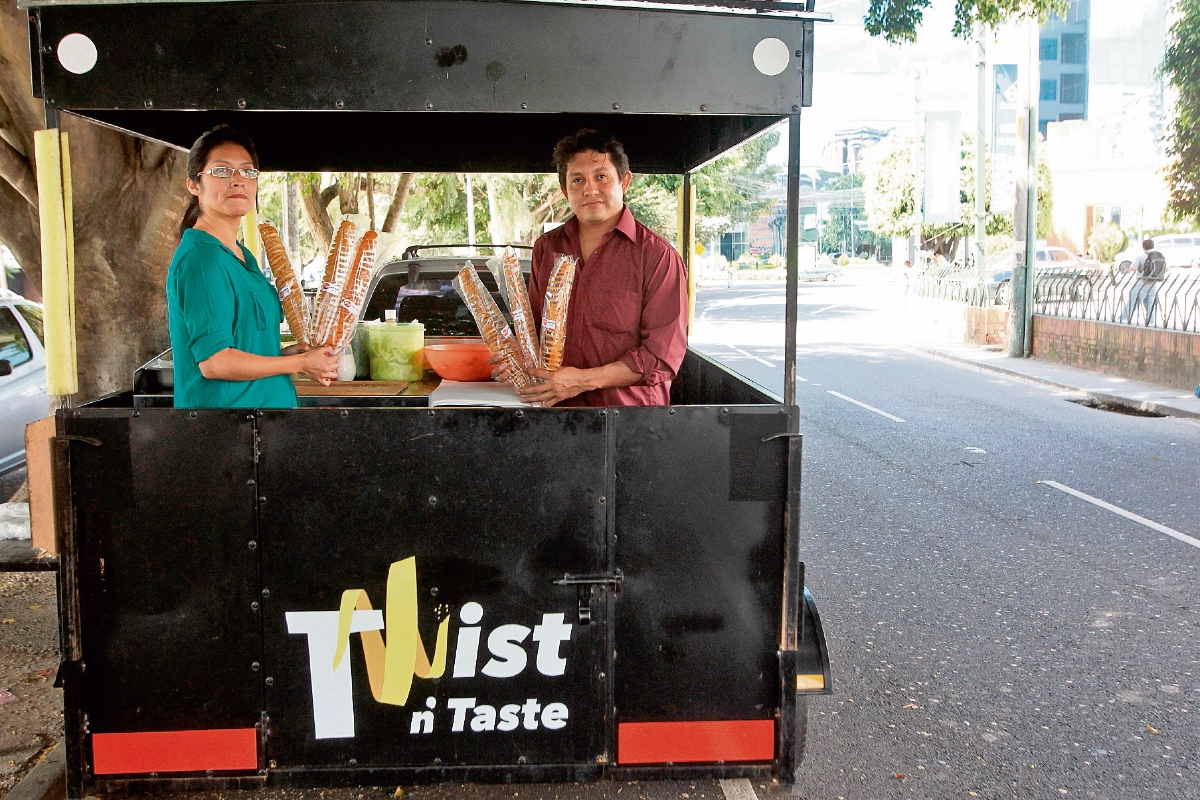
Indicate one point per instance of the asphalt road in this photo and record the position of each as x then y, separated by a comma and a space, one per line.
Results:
991, 636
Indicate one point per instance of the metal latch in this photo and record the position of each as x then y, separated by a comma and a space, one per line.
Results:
586, 586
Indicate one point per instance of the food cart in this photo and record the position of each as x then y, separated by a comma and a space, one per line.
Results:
354, 594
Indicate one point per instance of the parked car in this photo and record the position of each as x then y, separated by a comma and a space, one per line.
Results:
1050, 260
1180, 250
23, 397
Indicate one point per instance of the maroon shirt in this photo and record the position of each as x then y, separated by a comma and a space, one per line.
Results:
629, 304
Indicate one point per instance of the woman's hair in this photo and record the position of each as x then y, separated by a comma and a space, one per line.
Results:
582, 141
198, 158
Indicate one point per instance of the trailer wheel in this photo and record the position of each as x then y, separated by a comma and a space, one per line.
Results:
830, 278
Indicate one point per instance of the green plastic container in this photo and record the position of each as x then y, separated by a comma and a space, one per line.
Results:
396, 350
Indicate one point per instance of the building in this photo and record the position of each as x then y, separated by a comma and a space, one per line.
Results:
1063, 53
844, 151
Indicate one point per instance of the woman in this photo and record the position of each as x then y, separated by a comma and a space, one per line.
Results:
224, 314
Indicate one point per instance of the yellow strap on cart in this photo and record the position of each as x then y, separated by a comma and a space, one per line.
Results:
53, 161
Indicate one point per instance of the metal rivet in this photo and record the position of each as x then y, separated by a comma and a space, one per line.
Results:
354, 762
269, 681
431, 412
340, 104
191, 415
724, 410
262, 499
670, 411
601, 676
241, 103
266, 592
256, 666
208, 773
272, 764
252, 544
149, 104
520, 413
521, 760
345, 413
429, 106
429, 41
799, 54
260, 414
437, 761
795, 109
601, 501
77, 414
604, 412
250, 482
48, 48
254, 606
524, 106
135, 414
249, 416
616, 106
704, 108
432, 500
433, 590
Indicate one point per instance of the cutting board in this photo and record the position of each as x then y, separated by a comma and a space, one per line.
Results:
351, 388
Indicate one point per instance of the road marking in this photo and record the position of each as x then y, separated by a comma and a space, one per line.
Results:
864, 405
1149, 523
827, 308
738, 789
751, 355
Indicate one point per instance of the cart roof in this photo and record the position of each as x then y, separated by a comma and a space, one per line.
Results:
430, 85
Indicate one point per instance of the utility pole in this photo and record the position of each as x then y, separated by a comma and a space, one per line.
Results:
470, 214
1025, 215
981, 33
918, 170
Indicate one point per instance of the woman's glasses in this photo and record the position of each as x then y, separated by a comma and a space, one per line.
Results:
228, 172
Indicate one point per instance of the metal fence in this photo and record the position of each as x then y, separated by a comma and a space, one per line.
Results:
1171, 303
964, 284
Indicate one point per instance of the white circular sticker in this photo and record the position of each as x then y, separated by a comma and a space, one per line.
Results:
77, 53
771, 56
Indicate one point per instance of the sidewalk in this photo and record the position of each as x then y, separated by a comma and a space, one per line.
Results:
1104, 388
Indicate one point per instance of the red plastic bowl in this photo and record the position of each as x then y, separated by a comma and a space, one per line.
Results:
460, 362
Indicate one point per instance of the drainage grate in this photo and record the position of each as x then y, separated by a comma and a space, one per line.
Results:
1116, 408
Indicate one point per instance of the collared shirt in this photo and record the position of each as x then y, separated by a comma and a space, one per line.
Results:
215, 301
628, 303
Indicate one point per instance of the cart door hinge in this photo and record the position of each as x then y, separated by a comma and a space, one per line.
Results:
613, 579
256, 450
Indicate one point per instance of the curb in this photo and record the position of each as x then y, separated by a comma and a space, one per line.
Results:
1112, 399
47, 780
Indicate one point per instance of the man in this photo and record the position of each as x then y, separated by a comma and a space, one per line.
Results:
1150, 267
626, 322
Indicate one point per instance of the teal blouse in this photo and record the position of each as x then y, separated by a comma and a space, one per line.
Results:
215, 301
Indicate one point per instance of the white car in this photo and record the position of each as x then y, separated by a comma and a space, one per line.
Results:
23, 397
1180, 250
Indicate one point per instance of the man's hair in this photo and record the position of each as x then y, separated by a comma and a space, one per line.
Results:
582, 141
1147, 244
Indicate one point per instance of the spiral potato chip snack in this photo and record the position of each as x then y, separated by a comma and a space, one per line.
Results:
291, 296
346, 318
518, 305
337, 268
492, 325
554, 311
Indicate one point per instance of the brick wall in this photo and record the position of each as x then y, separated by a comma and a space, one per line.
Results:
1168, 358
986, 325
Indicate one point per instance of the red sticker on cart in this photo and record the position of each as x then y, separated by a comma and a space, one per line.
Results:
221, 750
731, 741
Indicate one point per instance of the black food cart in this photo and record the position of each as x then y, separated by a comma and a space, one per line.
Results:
356, 594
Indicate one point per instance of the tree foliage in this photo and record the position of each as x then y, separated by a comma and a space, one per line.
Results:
898, 21
1181, 69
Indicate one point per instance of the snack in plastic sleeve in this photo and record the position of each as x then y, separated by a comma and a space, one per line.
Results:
554, 311
291, 296
352, 296
337, 267
517, 296
492, 325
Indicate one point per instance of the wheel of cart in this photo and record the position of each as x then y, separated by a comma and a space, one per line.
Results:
374, 591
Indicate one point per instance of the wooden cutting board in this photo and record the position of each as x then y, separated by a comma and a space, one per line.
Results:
351, 388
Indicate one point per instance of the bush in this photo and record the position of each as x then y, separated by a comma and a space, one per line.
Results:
843, 260
1106, 241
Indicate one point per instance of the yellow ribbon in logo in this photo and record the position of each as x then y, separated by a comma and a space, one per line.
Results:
391, 667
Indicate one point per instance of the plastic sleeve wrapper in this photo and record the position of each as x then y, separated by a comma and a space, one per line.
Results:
554, 311
352, 296
291, 296
337, 270
492, 325
516, 294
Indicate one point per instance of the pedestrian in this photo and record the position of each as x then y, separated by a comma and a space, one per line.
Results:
730, 269
1150, 266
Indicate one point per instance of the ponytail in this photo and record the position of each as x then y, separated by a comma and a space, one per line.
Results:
198, 158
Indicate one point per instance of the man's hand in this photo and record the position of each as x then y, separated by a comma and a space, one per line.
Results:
555, 387
320, 364
500, 371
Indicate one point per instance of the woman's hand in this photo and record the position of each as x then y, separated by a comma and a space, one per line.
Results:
319, 364
500, 371
295, 349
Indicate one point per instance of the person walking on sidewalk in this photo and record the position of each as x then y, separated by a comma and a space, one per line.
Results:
1151, 269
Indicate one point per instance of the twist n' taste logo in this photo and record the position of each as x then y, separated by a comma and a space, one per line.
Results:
392, 665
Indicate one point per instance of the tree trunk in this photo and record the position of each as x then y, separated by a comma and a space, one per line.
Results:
315, 207
291, 218
495, 229
391, 220
348, 195
129, 196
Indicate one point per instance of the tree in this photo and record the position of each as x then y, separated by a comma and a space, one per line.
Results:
129, 196
1181, 69
897, 21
